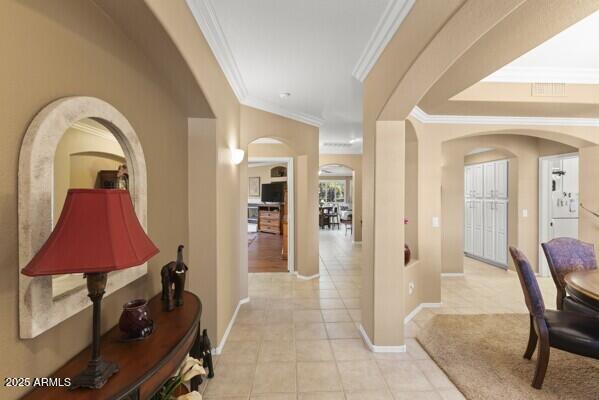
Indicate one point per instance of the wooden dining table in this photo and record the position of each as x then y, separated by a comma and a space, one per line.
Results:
584, 287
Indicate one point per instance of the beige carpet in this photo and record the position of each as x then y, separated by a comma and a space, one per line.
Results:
482, 355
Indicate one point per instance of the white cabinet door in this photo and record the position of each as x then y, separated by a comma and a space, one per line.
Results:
501, 232
501, 179
489, 180
468, 227
468, 182
477, 181
489, 230
477, 234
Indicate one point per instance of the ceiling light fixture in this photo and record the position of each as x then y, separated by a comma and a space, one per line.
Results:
284, 95
356, 140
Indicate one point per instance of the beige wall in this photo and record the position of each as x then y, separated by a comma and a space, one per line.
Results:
354, 162
73, 48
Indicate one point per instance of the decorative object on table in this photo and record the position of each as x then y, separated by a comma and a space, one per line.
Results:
206, 352
407, 253
278, 172
254, 186
190, 369
122, 176
173, 281
135, 321
97, 232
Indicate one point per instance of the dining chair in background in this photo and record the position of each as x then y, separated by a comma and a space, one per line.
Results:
565, 255
569, 331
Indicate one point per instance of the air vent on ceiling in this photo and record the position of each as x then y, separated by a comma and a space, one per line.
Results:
548, 89
336, 144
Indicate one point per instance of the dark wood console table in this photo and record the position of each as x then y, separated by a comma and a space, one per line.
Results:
144, 365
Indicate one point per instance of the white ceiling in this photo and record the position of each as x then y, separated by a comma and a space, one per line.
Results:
317, 50
571, 56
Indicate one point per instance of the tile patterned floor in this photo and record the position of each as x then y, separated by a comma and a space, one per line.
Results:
299, 339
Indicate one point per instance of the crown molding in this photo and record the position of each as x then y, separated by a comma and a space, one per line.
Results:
92, 130
425, 118
251, 101
392, 17
205, 15
513, 74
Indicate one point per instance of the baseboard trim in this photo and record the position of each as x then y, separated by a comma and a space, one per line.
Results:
415, 311
452, 274
307, 278
380, 349
222, 343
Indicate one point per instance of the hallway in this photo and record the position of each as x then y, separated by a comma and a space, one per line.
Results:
299, 339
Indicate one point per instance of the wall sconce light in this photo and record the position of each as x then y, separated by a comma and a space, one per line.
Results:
237, 156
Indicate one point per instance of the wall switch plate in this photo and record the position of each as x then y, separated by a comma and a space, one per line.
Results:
525, 212
435, 222
411, 287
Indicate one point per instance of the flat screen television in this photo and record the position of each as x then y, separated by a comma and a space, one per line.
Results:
273, 192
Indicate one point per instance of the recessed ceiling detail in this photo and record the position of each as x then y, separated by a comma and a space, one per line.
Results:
571, 56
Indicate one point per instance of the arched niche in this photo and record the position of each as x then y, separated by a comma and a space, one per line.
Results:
38, 309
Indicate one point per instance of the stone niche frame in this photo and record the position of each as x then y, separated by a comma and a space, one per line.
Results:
38, 309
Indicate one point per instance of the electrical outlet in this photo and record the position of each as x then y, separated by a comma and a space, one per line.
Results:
435, 222
525, 213
411, 287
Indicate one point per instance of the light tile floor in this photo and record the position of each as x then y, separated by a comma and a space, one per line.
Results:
299, 339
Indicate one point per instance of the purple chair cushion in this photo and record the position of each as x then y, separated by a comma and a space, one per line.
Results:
565, 255
528, 281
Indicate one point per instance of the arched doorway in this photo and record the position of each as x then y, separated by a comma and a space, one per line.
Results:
270, 206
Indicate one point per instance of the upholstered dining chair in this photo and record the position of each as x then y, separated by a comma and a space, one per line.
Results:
569, 331
565, 255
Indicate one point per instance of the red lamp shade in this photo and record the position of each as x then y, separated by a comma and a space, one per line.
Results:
97, 231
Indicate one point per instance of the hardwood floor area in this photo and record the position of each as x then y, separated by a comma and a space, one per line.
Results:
264, 253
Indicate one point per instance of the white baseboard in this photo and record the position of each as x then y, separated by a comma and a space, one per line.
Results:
356, 241
415, 311
452, 274
380, 349
222, 343
307, 278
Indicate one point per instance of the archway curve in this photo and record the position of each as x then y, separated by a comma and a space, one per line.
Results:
38, 310
546, 134
281, 140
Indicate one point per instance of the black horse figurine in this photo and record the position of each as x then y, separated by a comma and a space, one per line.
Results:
173, 281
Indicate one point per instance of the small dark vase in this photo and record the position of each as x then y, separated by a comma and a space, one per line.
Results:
407, 254
135, 321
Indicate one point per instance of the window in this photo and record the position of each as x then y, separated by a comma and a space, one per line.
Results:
332, 192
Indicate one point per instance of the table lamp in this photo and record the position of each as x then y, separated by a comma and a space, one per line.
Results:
97, 232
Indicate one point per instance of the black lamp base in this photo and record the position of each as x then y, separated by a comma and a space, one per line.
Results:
95, 375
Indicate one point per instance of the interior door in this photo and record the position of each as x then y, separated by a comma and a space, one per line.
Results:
489, 180
477, 231
468, 226
489, 230
501, 179
501, 232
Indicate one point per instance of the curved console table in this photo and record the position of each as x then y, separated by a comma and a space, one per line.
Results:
144, 365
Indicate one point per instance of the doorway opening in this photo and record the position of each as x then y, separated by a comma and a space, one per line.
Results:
558, 201
270, 214
336, 198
